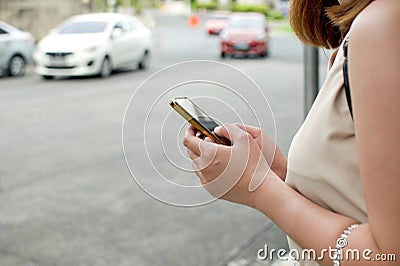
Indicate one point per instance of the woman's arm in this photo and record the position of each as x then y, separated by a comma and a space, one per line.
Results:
310, 225
227, 172
374, 49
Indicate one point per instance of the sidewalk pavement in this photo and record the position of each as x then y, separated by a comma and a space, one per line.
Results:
246, 253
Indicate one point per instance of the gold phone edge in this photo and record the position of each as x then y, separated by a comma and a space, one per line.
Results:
193, 122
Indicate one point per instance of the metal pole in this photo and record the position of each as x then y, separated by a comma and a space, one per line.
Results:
311, 80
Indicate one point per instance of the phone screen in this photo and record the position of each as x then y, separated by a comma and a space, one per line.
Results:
202, 122
197, 113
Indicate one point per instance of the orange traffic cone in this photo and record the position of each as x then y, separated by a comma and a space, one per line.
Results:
194, 21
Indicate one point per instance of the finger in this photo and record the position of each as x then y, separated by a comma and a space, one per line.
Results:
191, 141
207, 154
196, 169
253, 131
207, 139
198, 172
195, 166
208, 151
193, 156
231, 132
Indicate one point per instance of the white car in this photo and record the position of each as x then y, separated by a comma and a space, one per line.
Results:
16, 49
93, 44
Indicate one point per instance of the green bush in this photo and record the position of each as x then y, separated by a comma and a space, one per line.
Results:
208, 6
275, 14
263, 9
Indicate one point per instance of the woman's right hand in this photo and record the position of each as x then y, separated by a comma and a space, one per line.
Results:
270, 150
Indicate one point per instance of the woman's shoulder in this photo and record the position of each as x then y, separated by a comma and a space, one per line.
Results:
378, 23
374, 57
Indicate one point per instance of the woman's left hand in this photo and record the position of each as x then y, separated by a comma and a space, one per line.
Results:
232, 172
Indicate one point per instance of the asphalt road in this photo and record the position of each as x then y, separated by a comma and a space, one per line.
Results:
66, 195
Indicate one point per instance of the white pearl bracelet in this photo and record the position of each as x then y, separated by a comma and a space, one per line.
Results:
342, 243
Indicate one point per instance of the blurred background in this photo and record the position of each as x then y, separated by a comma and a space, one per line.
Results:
66, 195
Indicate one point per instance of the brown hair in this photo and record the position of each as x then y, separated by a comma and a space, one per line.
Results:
324, 22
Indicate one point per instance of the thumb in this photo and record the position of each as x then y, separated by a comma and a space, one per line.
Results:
231, 132
253, 131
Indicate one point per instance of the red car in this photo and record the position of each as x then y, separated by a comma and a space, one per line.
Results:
217, 22
246, 34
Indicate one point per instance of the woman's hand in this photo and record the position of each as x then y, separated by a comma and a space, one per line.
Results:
232, 172
270, 150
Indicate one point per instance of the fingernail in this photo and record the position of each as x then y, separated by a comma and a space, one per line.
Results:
217, 128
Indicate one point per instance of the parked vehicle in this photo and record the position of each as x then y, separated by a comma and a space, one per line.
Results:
246, 34
217, 21
93, 44
16, 49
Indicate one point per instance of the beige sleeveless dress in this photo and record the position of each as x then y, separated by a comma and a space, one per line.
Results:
322, 161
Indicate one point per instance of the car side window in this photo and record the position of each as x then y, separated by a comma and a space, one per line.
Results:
2, 31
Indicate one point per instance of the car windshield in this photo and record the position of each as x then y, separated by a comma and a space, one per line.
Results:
83, 27
246, 23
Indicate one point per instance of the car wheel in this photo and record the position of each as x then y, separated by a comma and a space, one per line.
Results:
144, 62
106, 68
264, 54
16, 67
47, 77
223, 55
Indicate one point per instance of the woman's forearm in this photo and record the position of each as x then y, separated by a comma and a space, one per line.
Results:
308, 224
279, 164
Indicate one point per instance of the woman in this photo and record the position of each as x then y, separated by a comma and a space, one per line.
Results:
342, 176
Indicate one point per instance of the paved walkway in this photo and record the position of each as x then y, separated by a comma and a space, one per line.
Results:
245, 254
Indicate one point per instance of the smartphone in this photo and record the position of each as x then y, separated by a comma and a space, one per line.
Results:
195, 116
